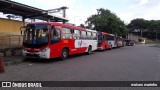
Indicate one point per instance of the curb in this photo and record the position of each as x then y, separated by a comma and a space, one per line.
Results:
13, 62
155, 46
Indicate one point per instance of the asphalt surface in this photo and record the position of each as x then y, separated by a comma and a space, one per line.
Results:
130, 63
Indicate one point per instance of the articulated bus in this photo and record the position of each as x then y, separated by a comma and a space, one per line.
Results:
103, 41
50, 40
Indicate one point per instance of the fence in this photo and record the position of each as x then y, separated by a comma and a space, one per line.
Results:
10, 44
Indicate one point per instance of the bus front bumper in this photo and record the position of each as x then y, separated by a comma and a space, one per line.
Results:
43, 55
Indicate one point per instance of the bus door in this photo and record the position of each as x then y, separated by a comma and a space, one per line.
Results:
55, 42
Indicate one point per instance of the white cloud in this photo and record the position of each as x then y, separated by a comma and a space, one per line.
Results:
79, 10
51, 4
73, 14
143, 2
147, 9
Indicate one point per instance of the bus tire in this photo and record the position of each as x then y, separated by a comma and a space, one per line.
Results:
89, 50
64, 54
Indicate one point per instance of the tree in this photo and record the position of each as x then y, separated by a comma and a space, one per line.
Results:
153, 28
82, 25
150, 28
138, 24
153, 25
106, 21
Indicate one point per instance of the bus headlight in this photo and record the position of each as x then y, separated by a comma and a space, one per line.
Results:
44, 50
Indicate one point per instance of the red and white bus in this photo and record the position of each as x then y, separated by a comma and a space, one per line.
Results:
103, 41
111, 40
50, 40
119, 41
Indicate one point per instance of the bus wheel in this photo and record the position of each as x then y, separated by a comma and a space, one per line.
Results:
89, 50
64, 54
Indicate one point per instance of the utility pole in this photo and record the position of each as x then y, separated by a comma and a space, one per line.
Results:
23, 20
58, 10
156, 36
64, 11
141, 33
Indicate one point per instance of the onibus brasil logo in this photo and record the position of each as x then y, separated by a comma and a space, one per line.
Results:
21, 84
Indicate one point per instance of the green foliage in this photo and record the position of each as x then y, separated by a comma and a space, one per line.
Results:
107, 21
144, 24
149, 27
138, 24
153, 25
82, 25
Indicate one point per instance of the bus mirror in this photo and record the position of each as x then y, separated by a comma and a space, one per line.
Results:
22, 29
21, 32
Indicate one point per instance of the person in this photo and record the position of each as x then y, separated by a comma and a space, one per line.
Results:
42, 37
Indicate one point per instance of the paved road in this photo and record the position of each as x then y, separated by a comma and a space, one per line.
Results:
137, 63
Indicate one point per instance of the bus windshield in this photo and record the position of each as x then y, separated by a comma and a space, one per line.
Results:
36, 35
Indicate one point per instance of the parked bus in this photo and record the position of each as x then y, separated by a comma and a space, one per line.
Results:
111, 40
119, 41
103, 41
50, 40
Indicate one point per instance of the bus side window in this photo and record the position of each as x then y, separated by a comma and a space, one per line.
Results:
94, 36
89, 35
111, 37
83, 34
105, 37
66, 33
76, 34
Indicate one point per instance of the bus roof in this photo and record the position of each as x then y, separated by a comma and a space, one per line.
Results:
104, 33
60, 24
91, 30
112, 35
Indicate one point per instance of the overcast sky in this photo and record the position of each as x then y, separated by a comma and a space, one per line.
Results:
79, 10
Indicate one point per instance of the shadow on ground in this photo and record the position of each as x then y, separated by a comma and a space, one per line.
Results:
59, 60
34, 60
